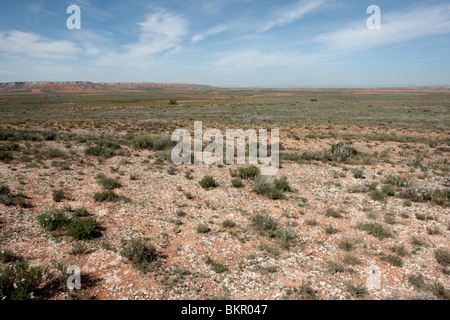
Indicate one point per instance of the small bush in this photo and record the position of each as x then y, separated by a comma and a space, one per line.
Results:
282, 184
58, 195
378, 195
84, 228
229, 223
141, 253
107, 195
110, 183
358, 291
208, 182
376, 230
346, 245
397, 181
237, 183
388, 190
333, 213
53, 221
153, 142
20, 282
394, 260
358, 173
442, 257
203, 228
330, 229
99, 150
250, 172
264, 224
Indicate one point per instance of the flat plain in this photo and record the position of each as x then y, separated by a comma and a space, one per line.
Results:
359, 208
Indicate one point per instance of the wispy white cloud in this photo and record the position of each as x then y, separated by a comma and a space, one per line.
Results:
31, 44
395, 27
160, 31
212, 31
288, 15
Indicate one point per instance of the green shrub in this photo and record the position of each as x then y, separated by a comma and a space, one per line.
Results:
330, 229
53, 221
20, 282
141, 253
358, 291
107, 195
388, 190
153, 142
333, 213
397, 181
110, 183
208, 182
442, 257
393, 260
58, 195
264, 224
376, 230
250, 172
282, 184
358, 173
275, 194
84, 228
378, 195
229, 223
203, 228
100, 151
237, 183
218, 267
9, 199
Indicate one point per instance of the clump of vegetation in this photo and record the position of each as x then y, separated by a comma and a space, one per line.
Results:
54, 220
397, 181
347, 245
208, 182
333, 213
152, 142
100, 150
84, 228
237, 182
330, 229
203, 228
358, 291
108, 183
266, 225
9, 199
358, 173
304, 292
272, 189
442, 257
378, 195
217, 267
340, 152
59, 195
229, 223
282, 184
141, 253
394, 260
19, 281
78, 226
375, 229
107, 195
250, 172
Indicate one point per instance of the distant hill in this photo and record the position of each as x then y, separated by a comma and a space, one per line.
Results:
87, 85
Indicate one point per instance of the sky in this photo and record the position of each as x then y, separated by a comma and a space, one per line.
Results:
230, 43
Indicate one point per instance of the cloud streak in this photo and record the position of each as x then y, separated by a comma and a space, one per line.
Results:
294, 13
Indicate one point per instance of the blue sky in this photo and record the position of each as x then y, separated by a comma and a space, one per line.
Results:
268, 43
